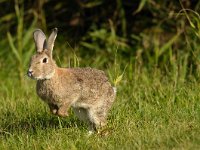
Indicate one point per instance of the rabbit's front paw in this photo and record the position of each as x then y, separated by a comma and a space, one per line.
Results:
62, 113
63, 110
53, 109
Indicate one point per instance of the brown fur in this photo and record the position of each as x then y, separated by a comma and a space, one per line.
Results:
86, 90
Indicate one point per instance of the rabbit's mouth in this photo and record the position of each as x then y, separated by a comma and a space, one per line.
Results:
36, 78
31, 75
41, 76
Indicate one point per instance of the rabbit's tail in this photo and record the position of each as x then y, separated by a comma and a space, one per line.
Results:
115, 90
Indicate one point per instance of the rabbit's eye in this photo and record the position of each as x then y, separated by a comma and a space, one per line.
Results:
44, 60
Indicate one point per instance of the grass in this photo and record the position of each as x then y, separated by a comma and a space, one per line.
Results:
152, 111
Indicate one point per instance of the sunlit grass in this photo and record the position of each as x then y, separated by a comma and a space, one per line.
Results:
149, 112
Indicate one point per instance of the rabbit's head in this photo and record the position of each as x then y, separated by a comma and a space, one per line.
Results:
42, 66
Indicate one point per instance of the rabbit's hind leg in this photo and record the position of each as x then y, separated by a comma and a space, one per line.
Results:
97, 119
81, 113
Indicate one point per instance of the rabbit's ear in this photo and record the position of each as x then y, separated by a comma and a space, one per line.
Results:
40, 40
51, 40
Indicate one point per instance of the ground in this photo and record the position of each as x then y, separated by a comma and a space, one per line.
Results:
150, 112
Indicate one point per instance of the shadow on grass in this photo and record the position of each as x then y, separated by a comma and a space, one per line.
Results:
11, 124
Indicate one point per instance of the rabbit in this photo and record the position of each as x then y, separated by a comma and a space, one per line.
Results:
86, 90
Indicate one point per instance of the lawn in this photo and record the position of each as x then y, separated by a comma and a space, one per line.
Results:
152, 111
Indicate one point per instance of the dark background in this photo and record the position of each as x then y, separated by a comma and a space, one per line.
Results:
148, 33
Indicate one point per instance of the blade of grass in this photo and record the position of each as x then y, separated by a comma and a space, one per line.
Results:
7, 17
187, 16
169, 44
141, 5
20, 19
28, 54
28, 33
119, 78
13, 48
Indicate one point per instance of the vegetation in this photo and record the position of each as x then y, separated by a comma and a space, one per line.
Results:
150, 51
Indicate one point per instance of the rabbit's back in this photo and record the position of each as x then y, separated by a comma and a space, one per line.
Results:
95, 86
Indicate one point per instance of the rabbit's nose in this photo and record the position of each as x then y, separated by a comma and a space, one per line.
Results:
30, 73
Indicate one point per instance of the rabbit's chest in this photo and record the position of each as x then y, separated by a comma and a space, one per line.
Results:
58, 92
49, 93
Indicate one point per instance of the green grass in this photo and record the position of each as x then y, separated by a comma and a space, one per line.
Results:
150, 112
